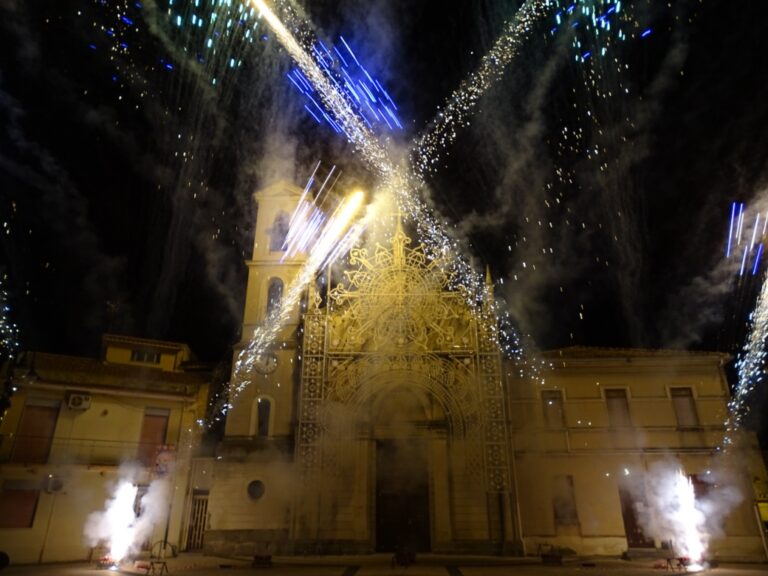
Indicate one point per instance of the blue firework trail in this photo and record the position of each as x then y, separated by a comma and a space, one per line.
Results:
366, 95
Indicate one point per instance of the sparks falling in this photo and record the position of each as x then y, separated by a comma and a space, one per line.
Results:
345, 116
396, 178
364, 92
461, 104
746, 234
688, 520
340, 232
749, 367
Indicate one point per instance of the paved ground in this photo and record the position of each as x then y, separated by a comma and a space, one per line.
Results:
380, 565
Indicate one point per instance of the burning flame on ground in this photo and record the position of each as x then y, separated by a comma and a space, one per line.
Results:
120, 516
691, 540
673, 515
119, 526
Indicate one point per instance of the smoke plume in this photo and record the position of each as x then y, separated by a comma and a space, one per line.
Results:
124, 525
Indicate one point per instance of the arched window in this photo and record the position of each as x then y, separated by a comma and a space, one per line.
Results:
274, 295
264, 409
278, 232
261, 412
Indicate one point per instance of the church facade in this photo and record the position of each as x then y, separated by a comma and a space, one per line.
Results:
384, 418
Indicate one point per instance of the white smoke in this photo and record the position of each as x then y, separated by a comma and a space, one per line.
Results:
723, 495
114, 524
118, 526
669, 510
671, 513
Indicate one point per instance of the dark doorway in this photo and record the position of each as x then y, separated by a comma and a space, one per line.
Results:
629, 500
402, 496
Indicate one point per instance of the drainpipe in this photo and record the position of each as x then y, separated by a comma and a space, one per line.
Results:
174, 475
761, 528
47, 527
518, 519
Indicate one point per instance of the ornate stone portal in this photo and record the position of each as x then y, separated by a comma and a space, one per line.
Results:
401, 391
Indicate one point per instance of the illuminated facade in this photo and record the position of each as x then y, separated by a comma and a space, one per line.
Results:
590, 441
74, 421
384, 417
384, 395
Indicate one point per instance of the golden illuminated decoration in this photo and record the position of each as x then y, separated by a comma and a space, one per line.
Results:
398, 320
397, 301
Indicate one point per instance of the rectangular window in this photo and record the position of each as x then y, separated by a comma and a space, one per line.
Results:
564, 501
552, 403
618, 408
702, 487
18, 506
153, 432
264, 408
34, 435
145, 356
685, 407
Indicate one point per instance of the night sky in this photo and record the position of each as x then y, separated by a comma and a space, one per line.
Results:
596, 177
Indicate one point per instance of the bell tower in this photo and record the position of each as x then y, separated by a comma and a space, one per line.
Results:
264, 409
275, 204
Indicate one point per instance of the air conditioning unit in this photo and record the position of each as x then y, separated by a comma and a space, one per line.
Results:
78, 401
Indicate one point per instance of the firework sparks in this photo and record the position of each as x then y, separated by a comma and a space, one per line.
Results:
371, 100
749, 366
9, 345
395, 178
691, 541
117, 523
592, 24
747, 247
673, 515
464, 99
339, 234
125, 523
345, 115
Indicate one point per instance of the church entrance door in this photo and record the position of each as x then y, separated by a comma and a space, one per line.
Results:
402, 496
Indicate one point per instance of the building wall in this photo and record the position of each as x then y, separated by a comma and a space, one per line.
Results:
233, 509
87, 449
601, 459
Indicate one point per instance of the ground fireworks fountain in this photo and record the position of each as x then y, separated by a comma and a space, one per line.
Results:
127, 521
672, 514
115, 525
691, 542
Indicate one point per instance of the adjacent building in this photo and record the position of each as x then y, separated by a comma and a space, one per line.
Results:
604, 432
73, 422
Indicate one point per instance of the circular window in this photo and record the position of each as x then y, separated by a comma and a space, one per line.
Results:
255, 489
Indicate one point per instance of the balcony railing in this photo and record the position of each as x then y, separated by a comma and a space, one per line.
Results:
25, 449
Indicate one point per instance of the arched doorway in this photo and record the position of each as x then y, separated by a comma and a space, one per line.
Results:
400, 430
